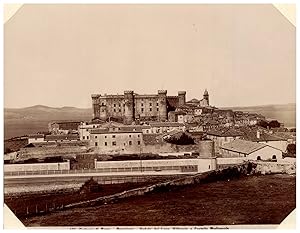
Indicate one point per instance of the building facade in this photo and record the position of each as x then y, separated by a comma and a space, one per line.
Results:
250, 150
36, 138
124, 140
131, 106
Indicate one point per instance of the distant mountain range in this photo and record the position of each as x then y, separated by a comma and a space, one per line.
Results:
41, 113
21, 121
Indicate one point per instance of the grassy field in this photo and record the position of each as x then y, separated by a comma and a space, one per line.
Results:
250, 200
19, 203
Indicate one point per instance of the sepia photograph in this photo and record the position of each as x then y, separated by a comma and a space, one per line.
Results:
149, 116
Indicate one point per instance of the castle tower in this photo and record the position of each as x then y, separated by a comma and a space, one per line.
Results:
206, 97
96, 109
181, 97
129, 107
103, 110
162, 105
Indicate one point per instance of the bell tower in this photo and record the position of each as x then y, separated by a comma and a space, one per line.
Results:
206, 97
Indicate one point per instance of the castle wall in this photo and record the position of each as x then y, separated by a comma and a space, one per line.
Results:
146, 107
130, 106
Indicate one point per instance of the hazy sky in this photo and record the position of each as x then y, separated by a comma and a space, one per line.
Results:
58, 55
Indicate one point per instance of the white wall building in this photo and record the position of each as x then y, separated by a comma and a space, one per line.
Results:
35, 138
250, 150
164, 127
84, 130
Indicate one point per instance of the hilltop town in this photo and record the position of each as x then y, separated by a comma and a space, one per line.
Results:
133, 141
154, 123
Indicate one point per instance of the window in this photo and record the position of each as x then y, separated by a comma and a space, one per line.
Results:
258, 158
105, 136
139, 142
156, 104
114, 136
142, 109
87, 137
96, 143
157, 109
114, 105
119, 110
95, 136
94, 126
119, 105
83, 137
138, 135
86, 130
114, 143
129, 135
105, 143
130, 143
150, 104
142, 104
150, 109
114, 110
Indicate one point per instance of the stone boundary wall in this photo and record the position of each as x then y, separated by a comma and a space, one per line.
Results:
221, 161
205, 177
37, 167
282, 167
39, 152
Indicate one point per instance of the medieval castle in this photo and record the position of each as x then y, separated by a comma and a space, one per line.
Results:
131, 106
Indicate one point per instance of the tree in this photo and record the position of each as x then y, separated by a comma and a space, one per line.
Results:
263, 124
274, 124
291, 149
184, 139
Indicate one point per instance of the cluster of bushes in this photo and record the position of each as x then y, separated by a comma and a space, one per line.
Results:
184, 139
269, 125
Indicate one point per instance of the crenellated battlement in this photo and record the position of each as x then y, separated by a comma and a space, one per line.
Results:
162, 92
131, 106
95, 95
128, 92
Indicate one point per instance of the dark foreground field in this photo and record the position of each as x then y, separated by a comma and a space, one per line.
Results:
250, 200
27, 204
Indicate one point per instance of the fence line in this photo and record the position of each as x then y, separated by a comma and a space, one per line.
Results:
101, 170
53, 206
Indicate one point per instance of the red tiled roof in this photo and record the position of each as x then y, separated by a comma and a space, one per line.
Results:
243, 146
166, 124
36, 136
106, 131
250, 134
225, 132
62, 137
